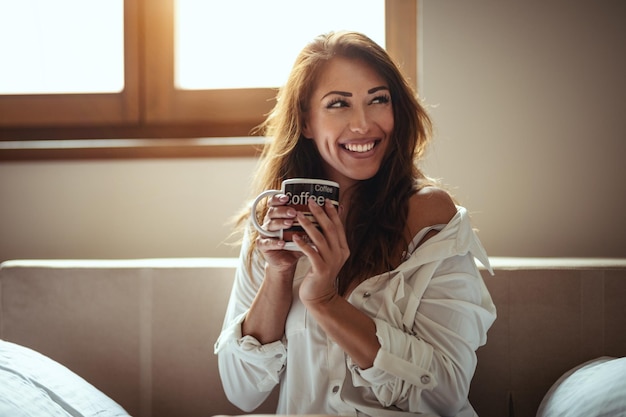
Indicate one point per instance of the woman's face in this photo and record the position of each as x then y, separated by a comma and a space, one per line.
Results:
350, 119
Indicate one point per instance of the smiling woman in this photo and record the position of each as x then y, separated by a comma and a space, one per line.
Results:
362, 316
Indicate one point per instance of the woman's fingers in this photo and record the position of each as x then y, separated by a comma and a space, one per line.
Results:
315, 234
279, 216
330, 235
333, 215
268, 244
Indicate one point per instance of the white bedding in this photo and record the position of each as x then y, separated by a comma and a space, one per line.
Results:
596, 388
32, 384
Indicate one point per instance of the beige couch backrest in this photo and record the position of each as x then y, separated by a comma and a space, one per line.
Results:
553, 314
142, 331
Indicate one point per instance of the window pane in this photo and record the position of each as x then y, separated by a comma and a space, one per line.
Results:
61, 46
251, 43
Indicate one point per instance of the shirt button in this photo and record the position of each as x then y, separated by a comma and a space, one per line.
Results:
335, 389
278, 355
425, 379
366, 295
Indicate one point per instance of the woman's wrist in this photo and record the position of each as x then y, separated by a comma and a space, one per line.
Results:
322, 302
280, 273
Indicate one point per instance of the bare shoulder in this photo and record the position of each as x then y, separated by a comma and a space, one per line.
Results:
430, 206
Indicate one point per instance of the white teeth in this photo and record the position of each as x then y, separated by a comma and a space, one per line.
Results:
358, 147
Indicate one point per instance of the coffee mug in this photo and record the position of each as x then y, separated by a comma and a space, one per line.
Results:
299, 190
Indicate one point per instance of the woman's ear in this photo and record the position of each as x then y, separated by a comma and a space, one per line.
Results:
306, 131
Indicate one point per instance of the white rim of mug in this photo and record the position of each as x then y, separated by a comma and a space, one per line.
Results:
310, 181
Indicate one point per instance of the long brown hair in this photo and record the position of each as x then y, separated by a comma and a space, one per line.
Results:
375, 231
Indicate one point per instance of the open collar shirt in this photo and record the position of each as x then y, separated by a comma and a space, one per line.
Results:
431, 314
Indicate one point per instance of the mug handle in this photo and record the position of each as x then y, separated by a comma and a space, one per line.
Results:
255, 222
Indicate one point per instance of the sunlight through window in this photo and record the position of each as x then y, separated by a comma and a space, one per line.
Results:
253, 43
61, 46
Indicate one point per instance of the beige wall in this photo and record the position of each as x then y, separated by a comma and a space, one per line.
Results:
120, 209
530, 109
528, 100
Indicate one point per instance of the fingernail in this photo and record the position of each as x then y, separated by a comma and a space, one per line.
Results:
291, 212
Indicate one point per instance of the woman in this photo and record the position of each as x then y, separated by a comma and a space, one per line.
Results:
382, 312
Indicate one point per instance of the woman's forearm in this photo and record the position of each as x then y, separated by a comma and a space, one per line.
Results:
267, 316
349, 327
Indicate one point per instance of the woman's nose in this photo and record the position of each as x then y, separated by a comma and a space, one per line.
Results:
359, 122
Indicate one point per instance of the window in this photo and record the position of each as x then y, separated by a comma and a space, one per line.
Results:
159, 98
40, 108
259, 51
43, 55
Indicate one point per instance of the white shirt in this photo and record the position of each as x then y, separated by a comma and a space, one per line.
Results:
431, 313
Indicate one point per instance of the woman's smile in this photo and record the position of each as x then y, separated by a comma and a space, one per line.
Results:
360, 149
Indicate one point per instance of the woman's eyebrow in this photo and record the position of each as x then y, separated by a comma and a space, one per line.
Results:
341, 93
376, 89
348, 94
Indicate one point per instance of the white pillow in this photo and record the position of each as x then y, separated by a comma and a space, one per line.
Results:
595, 388
32, 384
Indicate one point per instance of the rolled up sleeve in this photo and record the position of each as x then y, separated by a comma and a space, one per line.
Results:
434, 361
401, 367
248, 370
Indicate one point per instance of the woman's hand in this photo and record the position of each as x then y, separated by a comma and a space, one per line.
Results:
268, 312
327, 252
279, 216
349, 327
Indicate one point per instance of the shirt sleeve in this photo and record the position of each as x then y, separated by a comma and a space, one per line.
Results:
248, 370
434, 361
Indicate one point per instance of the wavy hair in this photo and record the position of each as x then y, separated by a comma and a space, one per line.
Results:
375, 231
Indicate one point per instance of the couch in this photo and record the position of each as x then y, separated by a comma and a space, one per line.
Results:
141, 331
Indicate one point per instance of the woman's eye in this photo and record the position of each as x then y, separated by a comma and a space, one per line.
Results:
381, 99
337, 103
